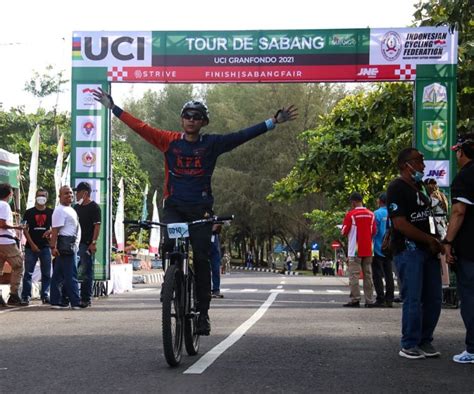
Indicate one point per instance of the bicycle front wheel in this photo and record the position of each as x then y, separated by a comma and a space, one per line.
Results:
173, 315
191, 338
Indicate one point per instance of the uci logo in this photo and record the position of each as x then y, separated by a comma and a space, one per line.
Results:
112, 48
122, 48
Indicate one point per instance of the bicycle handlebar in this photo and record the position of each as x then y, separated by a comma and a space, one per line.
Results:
149, 223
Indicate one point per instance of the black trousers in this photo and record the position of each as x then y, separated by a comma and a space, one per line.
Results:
200, 237
382, 268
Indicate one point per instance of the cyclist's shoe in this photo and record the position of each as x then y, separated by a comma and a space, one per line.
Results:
203, 324
217, 294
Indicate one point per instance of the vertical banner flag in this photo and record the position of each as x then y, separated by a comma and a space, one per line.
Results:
144, 212
119, 218
59, 167
34, 146
155, 232
66, 177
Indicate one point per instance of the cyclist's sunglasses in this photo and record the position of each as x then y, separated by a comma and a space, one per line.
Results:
193, 116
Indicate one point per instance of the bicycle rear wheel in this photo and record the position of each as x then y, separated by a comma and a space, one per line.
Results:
173, 315
191, 338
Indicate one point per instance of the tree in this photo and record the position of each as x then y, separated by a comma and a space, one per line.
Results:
46, 84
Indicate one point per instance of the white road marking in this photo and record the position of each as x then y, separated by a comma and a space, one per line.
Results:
280, 287
205, 361
335, 291
306, 291
248, 290
282, 282
277, 290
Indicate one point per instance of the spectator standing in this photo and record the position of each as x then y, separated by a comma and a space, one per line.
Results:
459, 238
415, 247
37, 230
9, 245
65, 236
216, 261
289, 263
314, 264
382, 265
89, 214
359, 227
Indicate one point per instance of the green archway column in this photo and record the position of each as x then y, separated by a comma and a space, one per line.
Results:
435, 121
90, 154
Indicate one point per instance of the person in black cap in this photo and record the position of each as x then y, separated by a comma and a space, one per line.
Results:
359, 227
382, 265
89, 218
459, 237
416, 246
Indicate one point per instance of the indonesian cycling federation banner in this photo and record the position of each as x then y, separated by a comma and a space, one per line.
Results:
426, 56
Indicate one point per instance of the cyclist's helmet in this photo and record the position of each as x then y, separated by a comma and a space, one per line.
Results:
198, 106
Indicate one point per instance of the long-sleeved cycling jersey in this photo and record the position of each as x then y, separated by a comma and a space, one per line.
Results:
189, 165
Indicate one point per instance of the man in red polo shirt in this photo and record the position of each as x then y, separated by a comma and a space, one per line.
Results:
359, 227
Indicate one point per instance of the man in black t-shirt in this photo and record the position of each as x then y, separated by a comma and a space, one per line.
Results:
37, 230
459, 238
89, 214
415, 246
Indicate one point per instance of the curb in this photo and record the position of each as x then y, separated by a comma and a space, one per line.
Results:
148, 278
274, 271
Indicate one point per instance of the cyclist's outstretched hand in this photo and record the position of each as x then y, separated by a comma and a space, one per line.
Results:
286, 113
104, 98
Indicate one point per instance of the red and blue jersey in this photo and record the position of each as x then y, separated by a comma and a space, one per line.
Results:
189, 165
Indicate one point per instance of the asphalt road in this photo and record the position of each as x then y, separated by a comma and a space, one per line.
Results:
270, 334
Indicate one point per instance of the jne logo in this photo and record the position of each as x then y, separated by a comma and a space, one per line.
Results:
370, 72
436, 173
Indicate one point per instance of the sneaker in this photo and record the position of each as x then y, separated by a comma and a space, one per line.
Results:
14, 300
46, 300
398, 300
413, 353
76, 307
352, 304
464, 358
25, 302
428, 350
375, 305
60, 306
217, 294
203, 324
85, 304
3, 304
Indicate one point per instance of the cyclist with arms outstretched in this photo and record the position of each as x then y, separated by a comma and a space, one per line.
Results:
190, 159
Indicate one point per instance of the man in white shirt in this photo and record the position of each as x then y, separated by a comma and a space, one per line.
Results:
9, 250
65, 237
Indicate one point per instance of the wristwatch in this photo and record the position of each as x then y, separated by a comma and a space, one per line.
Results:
446, 242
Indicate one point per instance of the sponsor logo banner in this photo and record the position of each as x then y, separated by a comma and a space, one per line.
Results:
434, 135
106, 48
85, 99
88, 128
422, 45
439, 170
89, 160
435, 96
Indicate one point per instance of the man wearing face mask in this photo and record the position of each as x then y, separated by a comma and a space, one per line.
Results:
415, 245
37, 230
89, 214
9, 245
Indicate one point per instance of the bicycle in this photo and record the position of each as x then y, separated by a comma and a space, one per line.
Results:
178, 294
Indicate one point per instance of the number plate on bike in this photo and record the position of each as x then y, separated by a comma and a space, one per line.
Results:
177, 230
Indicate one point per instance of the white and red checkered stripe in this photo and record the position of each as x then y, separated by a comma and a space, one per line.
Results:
116, 74
406, 72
